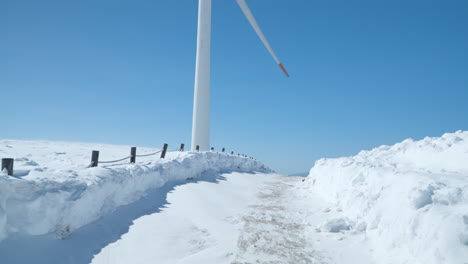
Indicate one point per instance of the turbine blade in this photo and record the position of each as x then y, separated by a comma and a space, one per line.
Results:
284, 69
248, 14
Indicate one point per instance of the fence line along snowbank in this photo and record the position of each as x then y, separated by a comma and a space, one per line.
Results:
53, 203
411, 199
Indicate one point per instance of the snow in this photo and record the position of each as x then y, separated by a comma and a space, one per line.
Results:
239, 218
410, 200
406, 203
336, 225
220, 217
53, 191
198, 225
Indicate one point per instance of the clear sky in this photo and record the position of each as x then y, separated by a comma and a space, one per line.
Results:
363, 73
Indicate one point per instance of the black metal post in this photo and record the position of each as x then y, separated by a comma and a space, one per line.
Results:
222, 150
182, 147
94, 158
198, 148
132, 155
163, 153
8, 165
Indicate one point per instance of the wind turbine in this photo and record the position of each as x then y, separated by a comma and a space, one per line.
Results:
201, 101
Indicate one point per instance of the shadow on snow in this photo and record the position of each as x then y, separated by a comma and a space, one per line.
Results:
87, 241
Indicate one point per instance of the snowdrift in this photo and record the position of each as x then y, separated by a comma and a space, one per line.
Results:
53, 191
410, 199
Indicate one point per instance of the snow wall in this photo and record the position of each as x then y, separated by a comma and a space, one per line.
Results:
60, 206
411, 199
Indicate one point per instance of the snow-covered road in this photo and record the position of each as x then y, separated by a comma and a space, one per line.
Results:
237, 218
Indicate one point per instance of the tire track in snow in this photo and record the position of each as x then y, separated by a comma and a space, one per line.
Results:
271, 232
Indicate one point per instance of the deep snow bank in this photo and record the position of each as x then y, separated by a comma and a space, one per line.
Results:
411, 199
53, 191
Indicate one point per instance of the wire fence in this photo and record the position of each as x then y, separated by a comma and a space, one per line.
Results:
147, 155
114, 161
132, 157
7, 163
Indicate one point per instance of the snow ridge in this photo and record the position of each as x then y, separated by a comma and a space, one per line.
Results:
61, 201
410, 199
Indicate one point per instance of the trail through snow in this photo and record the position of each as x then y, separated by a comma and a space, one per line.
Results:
269, 234
240, 218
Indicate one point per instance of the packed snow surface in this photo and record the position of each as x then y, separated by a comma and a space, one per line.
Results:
54, 191
409, 199
239, 218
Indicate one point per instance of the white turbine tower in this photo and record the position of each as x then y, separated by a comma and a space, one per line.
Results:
201, 101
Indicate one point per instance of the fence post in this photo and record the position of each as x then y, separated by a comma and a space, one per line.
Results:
132, 154
198, 148
8, 164
182, 147
94, 158
222, 150
163, 153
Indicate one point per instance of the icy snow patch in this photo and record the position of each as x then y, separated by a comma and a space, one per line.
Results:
336, 225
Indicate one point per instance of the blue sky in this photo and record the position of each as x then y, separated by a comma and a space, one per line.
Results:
363, 73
